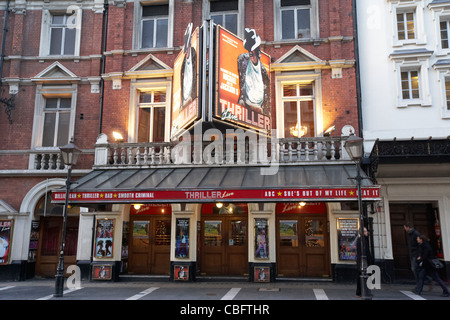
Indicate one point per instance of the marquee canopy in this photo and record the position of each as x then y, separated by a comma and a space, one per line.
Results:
227, 184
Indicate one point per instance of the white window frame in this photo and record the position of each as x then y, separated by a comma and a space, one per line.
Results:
44, 91
206, 13
415, 6
413, 61
152, 106
58, 112
314, 22
299, 78
137, 25
74, 14
443, 73
145, 85
443, 14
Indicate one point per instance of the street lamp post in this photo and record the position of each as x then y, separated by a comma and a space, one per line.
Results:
70, 153
354, 148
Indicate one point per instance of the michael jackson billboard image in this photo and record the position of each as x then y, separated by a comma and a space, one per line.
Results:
185, 107
243, 82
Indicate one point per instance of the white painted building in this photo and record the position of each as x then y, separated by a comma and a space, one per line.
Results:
404, 55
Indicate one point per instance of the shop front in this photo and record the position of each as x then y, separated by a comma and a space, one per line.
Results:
204, 222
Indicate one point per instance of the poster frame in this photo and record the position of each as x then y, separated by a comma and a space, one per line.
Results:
98, 237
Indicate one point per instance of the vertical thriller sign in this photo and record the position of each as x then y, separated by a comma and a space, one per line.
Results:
243, 81
185, 105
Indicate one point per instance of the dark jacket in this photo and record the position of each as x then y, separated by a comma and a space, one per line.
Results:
426, 254
413, 246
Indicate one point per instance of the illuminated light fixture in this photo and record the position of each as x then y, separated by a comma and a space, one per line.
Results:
219, 205
162, 210
137, 206
329, 131
117, 136
301, 204
298, 133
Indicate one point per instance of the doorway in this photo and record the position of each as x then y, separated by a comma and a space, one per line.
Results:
303, 248
223, 238
423, 217
149, 244
50, 232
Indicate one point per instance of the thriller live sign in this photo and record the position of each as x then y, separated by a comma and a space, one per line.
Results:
270, 195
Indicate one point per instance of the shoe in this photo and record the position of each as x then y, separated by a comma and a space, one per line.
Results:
445, 294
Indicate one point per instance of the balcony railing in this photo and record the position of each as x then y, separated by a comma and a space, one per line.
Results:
267, 151
259, 152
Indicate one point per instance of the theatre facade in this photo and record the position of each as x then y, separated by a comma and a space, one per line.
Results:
194, 171
297, 220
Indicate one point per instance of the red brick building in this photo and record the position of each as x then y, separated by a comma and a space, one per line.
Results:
87, 69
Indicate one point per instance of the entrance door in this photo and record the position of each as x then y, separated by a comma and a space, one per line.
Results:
421, 216
149, 251
224, 245
50, 245
303, 248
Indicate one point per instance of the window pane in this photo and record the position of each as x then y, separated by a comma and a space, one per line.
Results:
400, 26
51, 103
303, 23
145, 97
314, 234
69, 41
288, 233
447, 92
156, 10
71, 237
306, 90
415, 84
217, 19
161, 33
307, 119
56, 40
231, 22
410, 25
144, 125
237, 233
49, 130
159, 96
295, 2
287, 24
58, 20
162, 236
444, 34
290, 90
223, 5
50, 238
65, 103
290, 119
212, 233
159, 119
147, 33
63, 129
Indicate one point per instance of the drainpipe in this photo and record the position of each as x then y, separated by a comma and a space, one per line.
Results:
103, 63
358, 79
5, 29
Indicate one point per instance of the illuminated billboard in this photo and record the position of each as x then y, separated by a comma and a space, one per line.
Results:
185, 105
242, 81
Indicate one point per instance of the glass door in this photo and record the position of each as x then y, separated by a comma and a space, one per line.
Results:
224, 249
149, 251
303, 249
